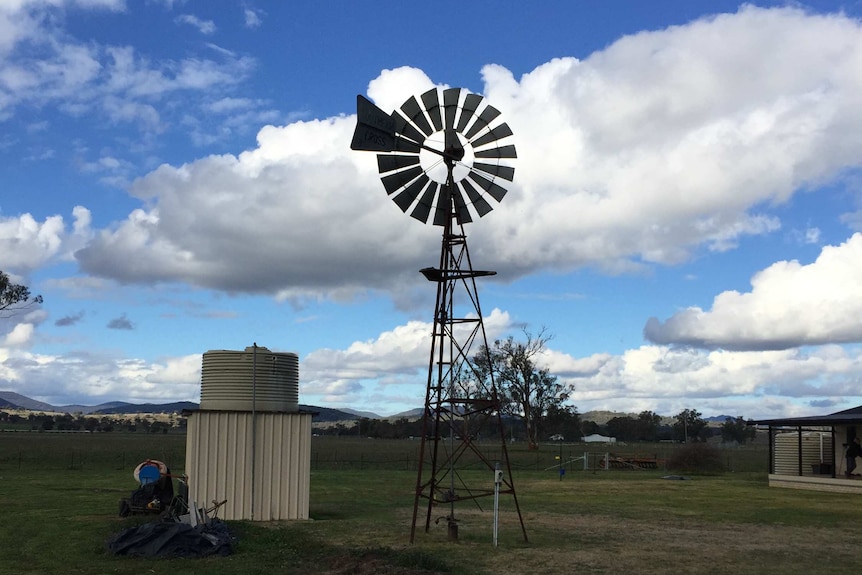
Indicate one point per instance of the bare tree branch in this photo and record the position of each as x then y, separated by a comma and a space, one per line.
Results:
15, 297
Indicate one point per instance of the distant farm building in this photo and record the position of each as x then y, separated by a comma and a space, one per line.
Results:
597, 438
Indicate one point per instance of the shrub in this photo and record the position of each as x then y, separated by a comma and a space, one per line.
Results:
698, 457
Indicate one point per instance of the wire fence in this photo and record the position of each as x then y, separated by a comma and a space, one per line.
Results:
119, 451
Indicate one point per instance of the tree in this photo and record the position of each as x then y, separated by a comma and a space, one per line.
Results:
15, 296
690, 426
648, 426
644, 427
589, 428
623, 428
524, 388
563, 420
735, 429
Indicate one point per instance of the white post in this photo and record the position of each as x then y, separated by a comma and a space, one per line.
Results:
821, 446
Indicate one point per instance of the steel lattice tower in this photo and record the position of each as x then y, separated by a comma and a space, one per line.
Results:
444, 157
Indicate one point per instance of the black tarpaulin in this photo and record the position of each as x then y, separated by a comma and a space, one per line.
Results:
172, 540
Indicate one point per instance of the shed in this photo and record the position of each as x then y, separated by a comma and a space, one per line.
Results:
597, 438
809, 452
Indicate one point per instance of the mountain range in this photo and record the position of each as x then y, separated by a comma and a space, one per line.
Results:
12, 400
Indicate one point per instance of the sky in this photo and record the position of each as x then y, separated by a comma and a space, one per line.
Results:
685, 217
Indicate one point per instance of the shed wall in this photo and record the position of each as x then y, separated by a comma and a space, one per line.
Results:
220, 450
816, 448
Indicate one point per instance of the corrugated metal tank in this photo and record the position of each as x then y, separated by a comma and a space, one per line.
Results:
249, 445
224, 458
234, 380
816, 448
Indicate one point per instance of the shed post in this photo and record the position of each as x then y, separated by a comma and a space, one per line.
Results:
799, 447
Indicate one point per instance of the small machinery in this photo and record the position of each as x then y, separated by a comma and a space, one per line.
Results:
155, 492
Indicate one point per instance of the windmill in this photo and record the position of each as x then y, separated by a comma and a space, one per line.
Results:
443, 158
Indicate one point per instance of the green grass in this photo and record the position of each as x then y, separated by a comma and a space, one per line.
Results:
60, 508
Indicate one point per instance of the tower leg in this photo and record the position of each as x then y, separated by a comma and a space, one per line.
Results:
461, 399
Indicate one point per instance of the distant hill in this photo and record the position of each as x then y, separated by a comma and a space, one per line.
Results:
368, 414
88, 409
122, 407
327, 414
12, 400
719, 418
602, 417
24, 402
409, 414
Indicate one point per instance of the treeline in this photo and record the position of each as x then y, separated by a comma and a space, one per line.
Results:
688, 427
565, 424
557, 423
80, 422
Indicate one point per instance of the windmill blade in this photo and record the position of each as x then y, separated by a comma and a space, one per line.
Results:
482, 207
405, 129
495, 191
426, 202
505, 172
471, 103
441, 212
461, 211
413, 111
406, 198
432, 105
398, 180
501, 152
392, 162
404, 145
450, 106
497, 133
485, 118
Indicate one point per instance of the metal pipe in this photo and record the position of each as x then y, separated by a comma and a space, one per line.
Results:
253, 423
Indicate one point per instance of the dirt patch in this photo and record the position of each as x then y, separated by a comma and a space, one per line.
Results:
602, 544
374, 563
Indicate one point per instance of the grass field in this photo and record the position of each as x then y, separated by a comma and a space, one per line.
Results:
59, 495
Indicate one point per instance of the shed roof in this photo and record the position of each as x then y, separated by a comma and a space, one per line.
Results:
846, 417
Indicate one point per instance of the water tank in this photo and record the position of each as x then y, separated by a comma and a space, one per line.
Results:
234, 380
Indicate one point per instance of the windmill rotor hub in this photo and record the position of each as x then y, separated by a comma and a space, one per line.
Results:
439, 158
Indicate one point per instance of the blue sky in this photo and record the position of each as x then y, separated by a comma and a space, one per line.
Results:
685, 218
